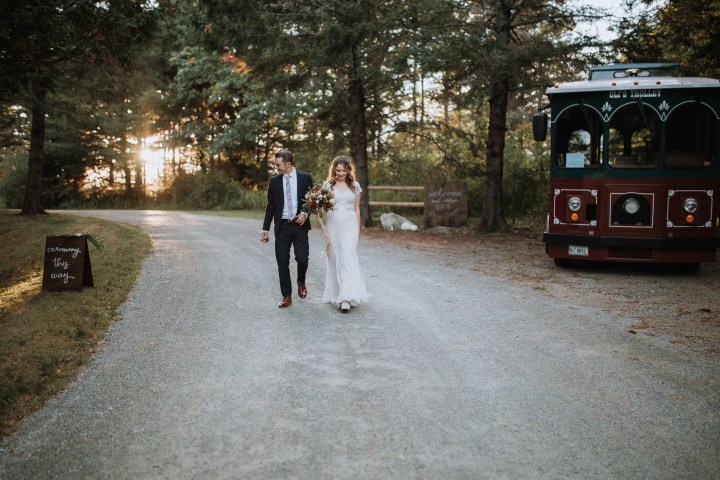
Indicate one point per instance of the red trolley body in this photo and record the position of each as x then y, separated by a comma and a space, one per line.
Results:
635, 166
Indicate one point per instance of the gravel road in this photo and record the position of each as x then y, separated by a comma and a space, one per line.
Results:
446, 374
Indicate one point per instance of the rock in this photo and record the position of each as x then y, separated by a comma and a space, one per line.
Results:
393, 221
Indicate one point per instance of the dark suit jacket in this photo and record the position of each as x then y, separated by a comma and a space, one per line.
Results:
276, 199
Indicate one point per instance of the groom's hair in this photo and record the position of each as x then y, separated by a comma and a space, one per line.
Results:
285, 155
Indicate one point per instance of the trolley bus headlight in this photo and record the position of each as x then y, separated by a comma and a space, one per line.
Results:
574, 204
631, 206
690, 205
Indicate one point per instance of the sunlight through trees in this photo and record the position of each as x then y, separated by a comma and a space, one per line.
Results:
154, 93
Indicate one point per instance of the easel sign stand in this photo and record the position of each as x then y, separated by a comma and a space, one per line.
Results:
67, 264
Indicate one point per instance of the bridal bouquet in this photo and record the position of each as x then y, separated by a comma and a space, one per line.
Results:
318, 199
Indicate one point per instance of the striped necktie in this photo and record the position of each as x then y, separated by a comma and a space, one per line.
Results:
288, 198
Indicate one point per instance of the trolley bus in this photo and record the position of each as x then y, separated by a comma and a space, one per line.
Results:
635, 166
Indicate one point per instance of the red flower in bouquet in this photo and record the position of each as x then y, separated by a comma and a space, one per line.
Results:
318, 200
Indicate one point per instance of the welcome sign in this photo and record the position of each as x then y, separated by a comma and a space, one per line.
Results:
446, 204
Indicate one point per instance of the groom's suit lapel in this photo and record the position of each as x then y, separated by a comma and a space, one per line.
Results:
279, 197
277, 190
301, 189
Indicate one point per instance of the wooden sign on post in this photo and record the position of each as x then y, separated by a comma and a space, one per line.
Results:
67, 264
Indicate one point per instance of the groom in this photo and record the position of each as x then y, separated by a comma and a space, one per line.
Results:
285, 193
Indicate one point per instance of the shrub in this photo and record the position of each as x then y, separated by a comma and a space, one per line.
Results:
212, 190
13, 178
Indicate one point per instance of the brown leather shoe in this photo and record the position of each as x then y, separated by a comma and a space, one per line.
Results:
302, 290
285, 302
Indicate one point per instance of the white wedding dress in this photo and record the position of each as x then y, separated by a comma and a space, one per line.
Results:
343, 280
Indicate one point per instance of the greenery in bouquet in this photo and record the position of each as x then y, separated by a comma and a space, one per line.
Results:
318, 199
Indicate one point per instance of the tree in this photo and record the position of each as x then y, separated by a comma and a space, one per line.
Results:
345, 54
46, 43
497, 48
683, 31
219, 113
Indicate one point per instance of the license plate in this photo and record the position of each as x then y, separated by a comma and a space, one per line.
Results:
578, 250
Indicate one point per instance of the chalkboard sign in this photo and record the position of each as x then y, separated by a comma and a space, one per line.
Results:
67, 264
446, 204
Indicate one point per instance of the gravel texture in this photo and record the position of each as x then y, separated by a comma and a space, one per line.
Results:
460, 366
662, 301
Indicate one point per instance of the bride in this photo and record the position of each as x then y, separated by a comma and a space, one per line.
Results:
344, 286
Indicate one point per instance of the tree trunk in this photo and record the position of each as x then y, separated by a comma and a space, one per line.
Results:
358, 143
492, 217
128, 191
139, 165
111, 174
32, 204
139, 180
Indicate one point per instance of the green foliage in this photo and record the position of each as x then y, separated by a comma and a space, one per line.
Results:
338, 63
476, 193
14, 127
222, 114
682, 31
47, 45
527, 172
225, 84
46, 42
212, 190
13, 176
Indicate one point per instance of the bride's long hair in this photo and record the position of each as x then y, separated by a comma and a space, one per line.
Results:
349, 176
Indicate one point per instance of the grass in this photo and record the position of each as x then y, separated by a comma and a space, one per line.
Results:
46, 337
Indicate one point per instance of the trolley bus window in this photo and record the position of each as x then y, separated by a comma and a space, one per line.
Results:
689, 136
636, 70
578, 138
634, 138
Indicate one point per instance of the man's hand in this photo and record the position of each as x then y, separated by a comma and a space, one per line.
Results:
300, 219
264, 236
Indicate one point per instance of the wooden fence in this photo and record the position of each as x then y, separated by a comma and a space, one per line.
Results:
396, 204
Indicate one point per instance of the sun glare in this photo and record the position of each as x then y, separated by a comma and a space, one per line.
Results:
153, 156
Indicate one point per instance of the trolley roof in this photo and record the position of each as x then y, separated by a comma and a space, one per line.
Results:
633, 76
635, 83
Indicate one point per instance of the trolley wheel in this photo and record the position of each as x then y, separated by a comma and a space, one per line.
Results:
562, 262
689, 267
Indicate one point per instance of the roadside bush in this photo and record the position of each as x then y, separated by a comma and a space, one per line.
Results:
245, 199
476, 188
106, 198
208, 191
13, 178
525, 187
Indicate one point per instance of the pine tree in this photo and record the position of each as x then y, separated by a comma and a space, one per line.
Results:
47, 44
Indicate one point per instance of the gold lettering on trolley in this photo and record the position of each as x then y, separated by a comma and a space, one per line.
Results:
649, 93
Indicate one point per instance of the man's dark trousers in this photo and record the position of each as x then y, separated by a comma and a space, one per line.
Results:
291, 234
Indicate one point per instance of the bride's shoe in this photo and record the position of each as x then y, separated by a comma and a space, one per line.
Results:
345, 307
